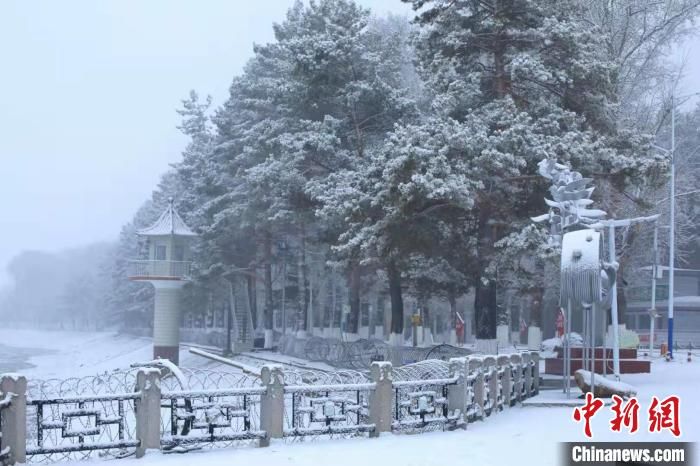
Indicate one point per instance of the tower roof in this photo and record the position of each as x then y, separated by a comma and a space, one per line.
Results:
169, 223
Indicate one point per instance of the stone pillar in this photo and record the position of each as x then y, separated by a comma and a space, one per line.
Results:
272, 404
516, 365
148, 410
479, 388
502, 332
534, 338
535, 356
506, 378
527, 375
380, 399
490, 368
14, 418
457, 394
166, 321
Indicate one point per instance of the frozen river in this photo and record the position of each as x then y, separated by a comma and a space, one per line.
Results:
14, 359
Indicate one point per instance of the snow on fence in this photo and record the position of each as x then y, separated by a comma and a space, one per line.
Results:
210, 416
338, 409
126, 413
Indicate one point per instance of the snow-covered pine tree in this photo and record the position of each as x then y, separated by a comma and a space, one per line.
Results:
309, 104
520, 80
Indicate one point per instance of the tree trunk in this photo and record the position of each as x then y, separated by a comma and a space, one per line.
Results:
501, 84
303, 287
253, 298
452, 299
485, 310
352, 323
537, 305
268, 311
396, 303
485, 303
621, 295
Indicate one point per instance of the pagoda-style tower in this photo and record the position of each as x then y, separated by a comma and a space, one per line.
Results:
167, 269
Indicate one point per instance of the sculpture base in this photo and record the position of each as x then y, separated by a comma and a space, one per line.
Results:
171, 353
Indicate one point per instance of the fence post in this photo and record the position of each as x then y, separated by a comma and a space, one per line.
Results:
272, 404
479, 389
535, 372
506, 379
527, 373
147, 409
516, 364
492, 370
457, 398
14, 418
380, 399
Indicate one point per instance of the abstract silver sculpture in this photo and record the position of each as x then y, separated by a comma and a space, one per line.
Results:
586, 280
570, 198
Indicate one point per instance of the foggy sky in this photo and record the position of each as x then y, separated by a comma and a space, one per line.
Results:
89, 91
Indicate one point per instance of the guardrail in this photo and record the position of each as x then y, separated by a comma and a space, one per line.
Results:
167, 410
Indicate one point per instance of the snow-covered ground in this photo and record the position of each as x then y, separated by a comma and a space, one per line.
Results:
520, 435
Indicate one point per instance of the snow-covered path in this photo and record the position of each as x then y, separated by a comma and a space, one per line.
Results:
520, 435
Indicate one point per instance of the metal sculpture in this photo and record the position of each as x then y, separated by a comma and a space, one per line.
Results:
586, 280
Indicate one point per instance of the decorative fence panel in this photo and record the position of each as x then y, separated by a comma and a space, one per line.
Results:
339, 409
423, 405
210, 416
81, 424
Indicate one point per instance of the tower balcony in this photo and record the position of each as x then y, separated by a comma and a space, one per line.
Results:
148, 270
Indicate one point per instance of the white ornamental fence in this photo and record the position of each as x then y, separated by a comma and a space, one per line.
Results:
126, 413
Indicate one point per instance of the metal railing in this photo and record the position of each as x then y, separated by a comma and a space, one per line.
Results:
159, 269
209, 416
421, 404
81, 424
334, 409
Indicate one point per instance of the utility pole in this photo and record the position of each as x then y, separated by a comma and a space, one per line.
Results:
613, 305
672, 240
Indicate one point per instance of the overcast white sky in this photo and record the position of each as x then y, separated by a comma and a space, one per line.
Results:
88, 96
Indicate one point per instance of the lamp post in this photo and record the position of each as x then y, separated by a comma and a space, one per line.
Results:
672, 240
